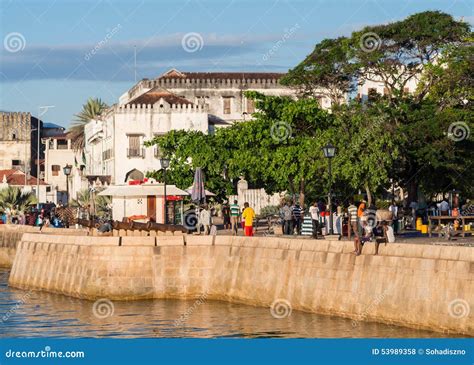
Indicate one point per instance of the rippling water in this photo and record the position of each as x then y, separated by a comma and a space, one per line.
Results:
38, 314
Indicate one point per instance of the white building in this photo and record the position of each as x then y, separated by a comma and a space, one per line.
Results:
58, 154
222, 93
114, 145
145, 202
374, 84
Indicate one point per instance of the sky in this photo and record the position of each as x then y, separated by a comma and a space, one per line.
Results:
61, 52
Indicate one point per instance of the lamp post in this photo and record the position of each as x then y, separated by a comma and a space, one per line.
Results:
41, 111
165, 163
67, 171
329, 152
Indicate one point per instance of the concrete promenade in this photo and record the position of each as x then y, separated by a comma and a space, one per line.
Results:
414, 285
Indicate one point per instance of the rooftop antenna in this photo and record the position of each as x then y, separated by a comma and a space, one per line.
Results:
135, 62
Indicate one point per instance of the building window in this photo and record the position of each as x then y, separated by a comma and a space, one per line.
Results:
227, 104
134, 146
62, 144
386, 91
107, 154
48, 189
55, 170
406, 90
250, 106
16, 164
372, 93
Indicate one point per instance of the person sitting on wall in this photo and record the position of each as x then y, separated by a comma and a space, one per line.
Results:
384, 234
360, 240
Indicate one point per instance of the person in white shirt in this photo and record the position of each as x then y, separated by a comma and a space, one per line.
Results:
443, 207
204, 220
393, 208
314, 212
388, 237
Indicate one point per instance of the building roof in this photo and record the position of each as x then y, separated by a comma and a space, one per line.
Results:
16, 177
142, 190
157, 93
175, 74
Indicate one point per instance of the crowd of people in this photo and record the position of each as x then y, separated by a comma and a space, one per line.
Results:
43, 215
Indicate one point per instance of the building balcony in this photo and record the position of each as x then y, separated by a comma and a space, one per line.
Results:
135, 152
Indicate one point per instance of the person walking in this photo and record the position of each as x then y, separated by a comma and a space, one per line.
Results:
226, 215
297, 214
314, 212
248, 215
234, 217
393, 208
287, 219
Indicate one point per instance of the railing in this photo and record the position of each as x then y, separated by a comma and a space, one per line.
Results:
136, 152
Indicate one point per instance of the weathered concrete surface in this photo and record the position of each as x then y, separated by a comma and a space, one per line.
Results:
420, 286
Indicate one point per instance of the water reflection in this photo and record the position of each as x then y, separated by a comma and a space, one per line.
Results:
38, 314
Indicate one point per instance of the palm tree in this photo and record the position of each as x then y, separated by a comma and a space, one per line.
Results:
90, 110
13, 198
100, 203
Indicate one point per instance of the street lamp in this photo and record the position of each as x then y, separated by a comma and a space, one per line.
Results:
67, 171
165, 163
41, 111
329, 152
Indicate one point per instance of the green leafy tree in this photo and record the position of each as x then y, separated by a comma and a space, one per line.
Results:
90, 110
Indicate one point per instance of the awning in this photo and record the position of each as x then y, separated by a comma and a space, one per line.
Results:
142, 190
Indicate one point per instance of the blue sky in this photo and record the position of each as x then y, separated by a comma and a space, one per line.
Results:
60, 52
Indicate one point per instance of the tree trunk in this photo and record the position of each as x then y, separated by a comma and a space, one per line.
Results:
369, 194
292, 189
412, 188
302, 186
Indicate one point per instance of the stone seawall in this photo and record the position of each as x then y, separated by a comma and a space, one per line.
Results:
10, 235
420, 286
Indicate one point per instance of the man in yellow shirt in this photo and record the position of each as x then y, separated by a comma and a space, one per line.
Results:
248, 215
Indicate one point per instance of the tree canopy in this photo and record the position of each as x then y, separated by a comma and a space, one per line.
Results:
419, 139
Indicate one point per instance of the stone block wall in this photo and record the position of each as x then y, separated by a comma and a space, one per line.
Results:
420, 286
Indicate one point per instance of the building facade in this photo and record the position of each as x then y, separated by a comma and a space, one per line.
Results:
222, 93
59, 153
15, 141
114, 145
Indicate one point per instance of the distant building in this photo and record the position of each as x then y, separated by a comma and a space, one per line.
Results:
15, 140
222, 93
59, 153
17, 178
375, 85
